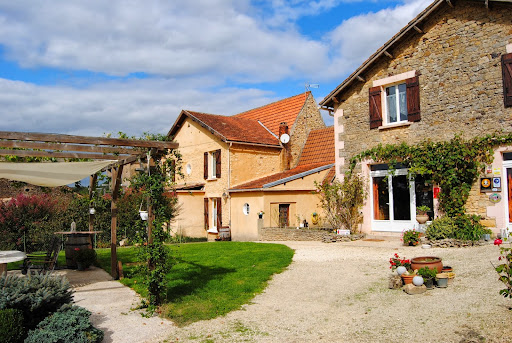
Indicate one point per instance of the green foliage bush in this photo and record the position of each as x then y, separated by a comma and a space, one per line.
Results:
464, 227
35, 295
11, 326
70, 324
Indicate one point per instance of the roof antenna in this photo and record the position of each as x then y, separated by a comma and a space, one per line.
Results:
308, 86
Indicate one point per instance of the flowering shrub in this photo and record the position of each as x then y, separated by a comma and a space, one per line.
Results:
85, 256
396, 261
410, 237
504, 269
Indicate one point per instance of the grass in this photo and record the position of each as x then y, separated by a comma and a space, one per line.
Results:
208, 280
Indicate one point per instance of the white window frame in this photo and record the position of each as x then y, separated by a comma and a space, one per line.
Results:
212, 167
504, 186
386, 116
392, 225
213, 224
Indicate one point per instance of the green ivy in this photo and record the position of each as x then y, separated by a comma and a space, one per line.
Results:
454, 165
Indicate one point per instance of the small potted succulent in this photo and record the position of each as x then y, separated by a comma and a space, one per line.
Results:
421, 214
411, 237
428, 276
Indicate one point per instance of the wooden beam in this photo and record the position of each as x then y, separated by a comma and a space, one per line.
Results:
417, 29
59, 138
360, 78
449, 3
50, 154
335, 100
116, 183
387, 54
68, 147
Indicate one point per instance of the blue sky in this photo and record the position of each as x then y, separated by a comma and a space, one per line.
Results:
96, 67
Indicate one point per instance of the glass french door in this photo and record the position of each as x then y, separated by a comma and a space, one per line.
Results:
508, 191
393, 200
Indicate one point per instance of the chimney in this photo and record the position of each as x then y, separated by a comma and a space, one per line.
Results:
283, 128
286, 153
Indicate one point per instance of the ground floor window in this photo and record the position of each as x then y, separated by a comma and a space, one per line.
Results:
212, 214
394, 197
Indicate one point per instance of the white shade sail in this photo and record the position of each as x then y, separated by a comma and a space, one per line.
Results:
48, 174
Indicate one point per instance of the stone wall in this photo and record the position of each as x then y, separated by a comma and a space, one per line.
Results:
292, 234
308, 119
458, 60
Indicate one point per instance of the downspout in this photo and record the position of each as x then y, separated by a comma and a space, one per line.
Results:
229, 182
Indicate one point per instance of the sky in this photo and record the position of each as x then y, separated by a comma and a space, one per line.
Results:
97, 67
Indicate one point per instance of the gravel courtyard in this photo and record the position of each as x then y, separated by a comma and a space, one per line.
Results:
339, 293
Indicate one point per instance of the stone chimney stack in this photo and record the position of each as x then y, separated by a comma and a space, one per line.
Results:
286, 153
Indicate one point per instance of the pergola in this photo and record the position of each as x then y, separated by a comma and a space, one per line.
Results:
114, 153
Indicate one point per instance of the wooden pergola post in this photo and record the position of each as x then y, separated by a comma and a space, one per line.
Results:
116, 183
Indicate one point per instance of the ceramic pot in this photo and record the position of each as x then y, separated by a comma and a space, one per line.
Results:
400, 270
427, 261
417, 280
447, 269
80, 266
429, 283
422, 218
143, 215
407, 279
442, 280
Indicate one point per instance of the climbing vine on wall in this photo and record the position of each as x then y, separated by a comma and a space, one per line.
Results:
454, 165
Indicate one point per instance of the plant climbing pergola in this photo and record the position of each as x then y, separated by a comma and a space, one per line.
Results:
109, 154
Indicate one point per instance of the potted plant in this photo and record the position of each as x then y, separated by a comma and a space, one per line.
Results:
402, 267
411, 237
84, 258
421, 214
428, 276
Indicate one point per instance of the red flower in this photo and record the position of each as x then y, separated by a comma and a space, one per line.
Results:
498, 241
77, 249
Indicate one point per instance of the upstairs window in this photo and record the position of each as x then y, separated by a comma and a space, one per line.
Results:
394, 100
396, 104
212, 165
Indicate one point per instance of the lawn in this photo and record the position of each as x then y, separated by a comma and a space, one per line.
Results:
208, 280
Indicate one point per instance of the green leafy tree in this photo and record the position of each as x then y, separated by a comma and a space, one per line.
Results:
342, 201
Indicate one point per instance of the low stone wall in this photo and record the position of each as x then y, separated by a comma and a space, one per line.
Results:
293, 234
454, 243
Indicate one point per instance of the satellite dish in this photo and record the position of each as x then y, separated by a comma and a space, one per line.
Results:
285, 138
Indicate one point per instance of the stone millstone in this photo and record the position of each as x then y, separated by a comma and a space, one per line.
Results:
411, 289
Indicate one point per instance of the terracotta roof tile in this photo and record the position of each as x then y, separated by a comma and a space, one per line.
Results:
331, 175
319, 147
235, 129
256, 184
273, 114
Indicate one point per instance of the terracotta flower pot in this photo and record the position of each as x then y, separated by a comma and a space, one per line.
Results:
407, 278
422, 218
427, 261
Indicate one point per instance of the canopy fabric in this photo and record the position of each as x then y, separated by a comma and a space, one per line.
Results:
48, 174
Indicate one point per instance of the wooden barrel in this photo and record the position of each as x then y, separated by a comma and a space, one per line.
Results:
76, 241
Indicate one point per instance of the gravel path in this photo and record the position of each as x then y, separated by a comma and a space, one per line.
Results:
339, 293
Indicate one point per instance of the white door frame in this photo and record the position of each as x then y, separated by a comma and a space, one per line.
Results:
504, 185
392, 225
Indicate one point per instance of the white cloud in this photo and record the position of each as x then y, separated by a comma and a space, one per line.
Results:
133, 107
171, 38
357, 38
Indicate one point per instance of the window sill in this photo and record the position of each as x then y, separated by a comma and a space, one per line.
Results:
213, 231
212, 179
394, 126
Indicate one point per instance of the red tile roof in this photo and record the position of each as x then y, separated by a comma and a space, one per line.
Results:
319, 147
259, 183
331, 175
230, 128
273, 114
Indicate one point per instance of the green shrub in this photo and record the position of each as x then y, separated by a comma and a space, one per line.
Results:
70, 324
441, 228
35, 295
465, 227
11, 326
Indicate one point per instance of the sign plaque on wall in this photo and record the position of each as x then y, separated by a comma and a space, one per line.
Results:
486, 184
496, 184
495, 197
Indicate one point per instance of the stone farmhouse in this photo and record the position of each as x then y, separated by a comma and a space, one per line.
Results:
448, 72
251, 170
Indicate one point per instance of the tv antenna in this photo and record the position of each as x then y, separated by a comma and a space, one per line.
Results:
308, 86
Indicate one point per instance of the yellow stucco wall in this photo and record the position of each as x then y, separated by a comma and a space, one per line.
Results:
185, 223
250, 162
